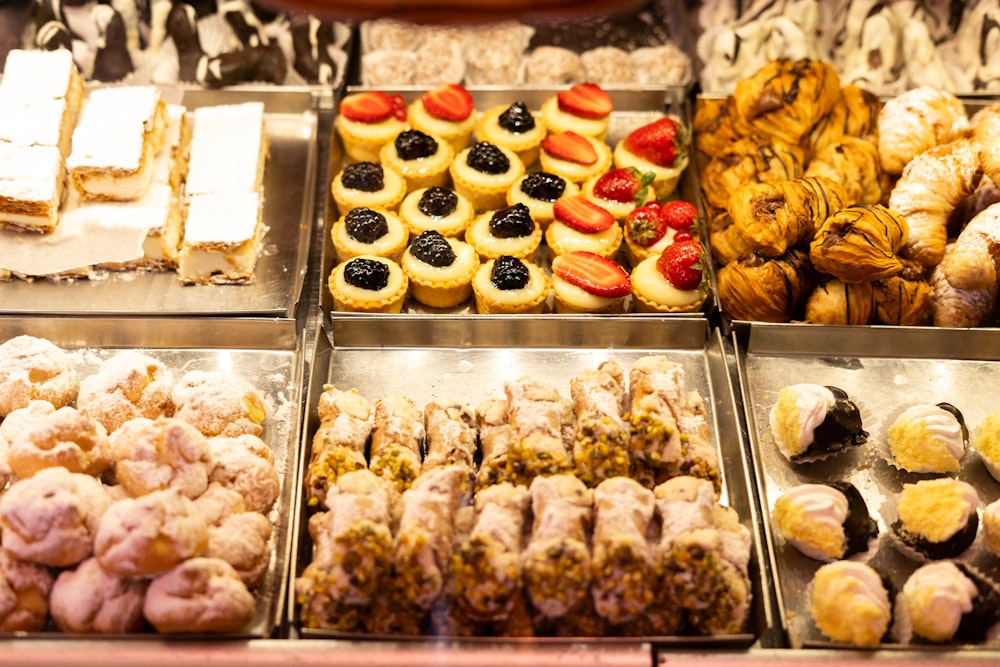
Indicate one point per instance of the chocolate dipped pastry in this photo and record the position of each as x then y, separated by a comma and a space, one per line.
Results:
112, 61
825, 521
765, 290
929, 438
949, 602
311, 40
53, 35
182, 27
937, 519
810, 422
240, 16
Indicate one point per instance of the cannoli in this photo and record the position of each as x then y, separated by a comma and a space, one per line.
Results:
622, 565
451, 436
654, 383
495, 438
338, 447
397, 441
601, 441
536, 412
556, 562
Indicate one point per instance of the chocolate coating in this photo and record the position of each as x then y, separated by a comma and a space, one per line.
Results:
950, 548
859, 527
840, 429
985, 613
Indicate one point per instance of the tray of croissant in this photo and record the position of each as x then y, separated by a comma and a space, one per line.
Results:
498, 485
830, 205
146, 474
876, 459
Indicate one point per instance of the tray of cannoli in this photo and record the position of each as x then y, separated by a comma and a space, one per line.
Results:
498, 485
876, 460
171, 200
494, 200
146, 476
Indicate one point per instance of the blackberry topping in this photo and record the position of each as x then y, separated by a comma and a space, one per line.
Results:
543, 185
366, 176
438, 202
509, 273
365, 225
414, 144
487, 158
512, 222
366, 273
432, 248
517, 119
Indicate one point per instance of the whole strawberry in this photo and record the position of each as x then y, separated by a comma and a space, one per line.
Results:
660, 142
624, 185
644, 224
679, 214
681, 265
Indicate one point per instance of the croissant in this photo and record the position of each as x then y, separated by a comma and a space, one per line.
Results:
716, 125
752, 159
853, 163
859, 243
854, 114
953, 307
837, 302
765, 290
932, 185
986, 133
973, 261
903, 299
785, 98
726, 240
916, 120
776, 216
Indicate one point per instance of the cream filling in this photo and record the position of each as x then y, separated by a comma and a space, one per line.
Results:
575, 171
354, 293
392, 185
379, 132
936, 596
493, 246
799, 410
492, 182
625, 158
104, 185
540, 209
423, 121
563, 239
464, 266
452, 224
647, 281
421, 167
494, 132
579, 297
386, 244
558, 120
532, 290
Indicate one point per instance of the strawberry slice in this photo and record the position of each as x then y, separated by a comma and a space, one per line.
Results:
581, 214
370, 106
571, 147
593, 273
398, 107
624, 185
587, 100
644, 225
660, 142
679, 214
680, 264
452, 102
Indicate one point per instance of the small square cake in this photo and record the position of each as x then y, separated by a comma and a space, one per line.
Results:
31, 187
120, 132
222, 238
228, 149
36, 122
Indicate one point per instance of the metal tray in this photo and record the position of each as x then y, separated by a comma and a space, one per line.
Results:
289, 187
264, 352
883, 369
634, 106
445, 359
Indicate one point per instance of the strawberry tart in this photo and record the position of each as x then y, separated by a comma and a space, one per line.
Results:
575, 157
508, 231
583, 282
539, 190
484, 172
367, 121
580, 224
671, 282
448, 112
515, 127
585, 109
660, 147
650, 228
620, 190
511, 286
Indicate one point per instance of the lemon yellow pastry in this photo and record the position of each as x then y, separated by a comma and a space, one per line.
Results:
508, 231
484, 172
667, 283
437, 208
580, 224
583, 282
447, 111
367, 121
367, 231
368, 284
515, 127
538, 191
585, 109
660, 147
367, 184
510, 285
440, 269
422, 159
575, 157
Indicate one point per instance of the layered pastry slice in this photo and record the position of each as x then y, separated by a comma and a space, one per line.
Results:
222, 238
40, 97
229, 148
31, 187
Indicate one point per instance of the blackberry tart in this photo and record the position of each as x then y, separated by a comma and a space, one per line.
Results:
484, 172
422, 159
508, 231
440, 269
826, 522
936, 519
437, 208
367, 184
368, 284
369, 231
539, 191
948, 602
509, 285
513, 126
810, 422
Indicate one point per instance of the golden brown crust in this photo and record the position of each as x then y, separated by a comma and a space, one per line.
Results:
854, 114
916, 120
854, 164
765, 290
751, 159
860, 243
837, 302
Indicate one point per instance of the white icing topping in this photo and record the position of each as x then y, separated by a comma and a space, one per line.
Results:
113, 129
30, 174
811, 403
936, 596
37, 74
941, 434
226, 148
225, 217
820, 508
850, 602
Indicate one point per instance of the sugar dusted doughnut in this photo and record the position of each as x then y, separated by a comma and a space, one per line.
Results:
42, 437
24, 594
218, 502
52, 517
163, 453
141, 537
34, 368
243, 541
218, 403
199, 595
126, 386
90, 599
245, 464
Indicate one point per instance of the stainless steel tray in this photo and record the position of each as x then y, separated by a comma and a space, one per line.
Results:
264, 352
633, 107
428, 359
883, 369
289, 187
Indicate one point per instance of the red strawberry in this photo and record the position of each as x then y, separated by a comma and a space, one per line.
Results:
680, 264
370, 106
680, 214
582, 214
660, 142
587, 100
624, 185
398, 107
449, 102
593, 273
682, 235
570, 146
644, 224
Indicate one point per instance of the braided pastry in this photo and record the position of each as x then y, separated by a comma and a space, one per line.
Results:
916, 120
